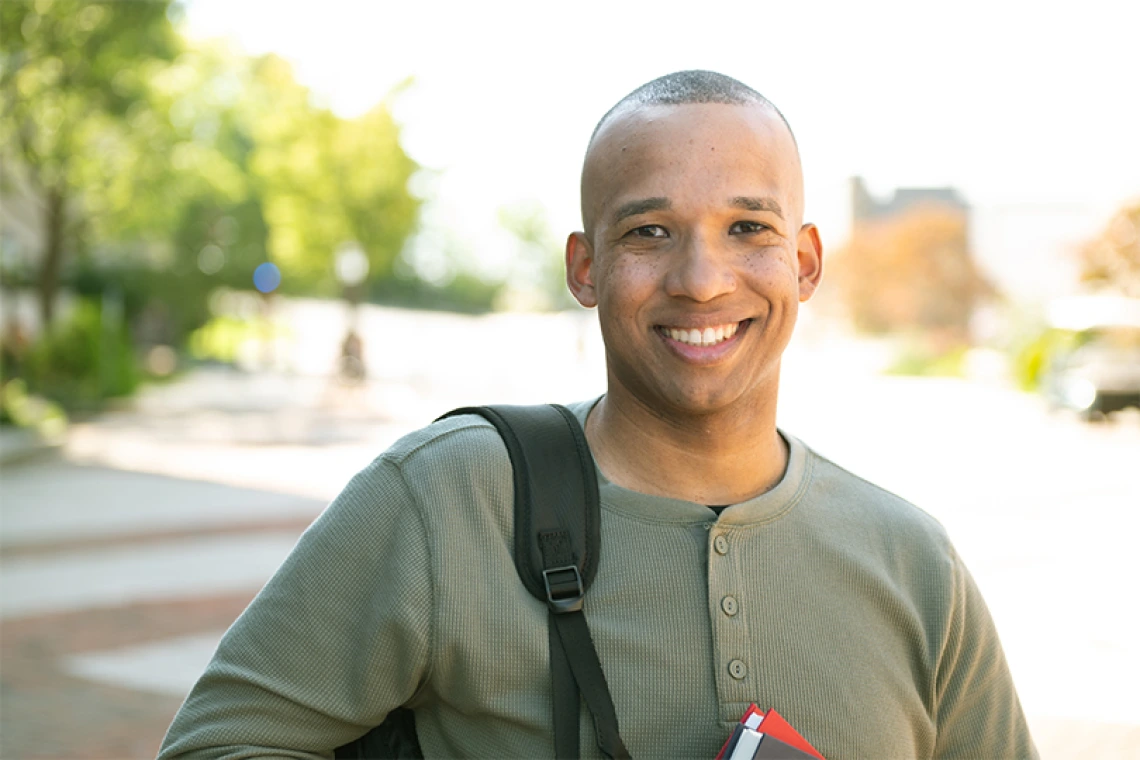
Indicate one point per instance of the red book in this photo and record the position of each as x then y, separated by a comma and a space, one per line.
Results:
771, 724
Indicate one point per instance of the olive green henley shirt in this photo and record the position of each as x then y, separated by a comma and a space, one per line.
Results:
827, 598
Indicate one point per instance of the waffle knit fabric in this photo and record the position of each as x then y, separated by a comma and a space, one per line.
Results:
827, 598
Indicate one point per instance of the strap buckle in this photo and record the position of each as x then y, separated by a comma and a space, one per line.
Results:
564, 593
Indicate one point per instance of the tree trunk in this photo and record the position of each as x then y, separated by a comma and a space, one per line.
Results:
54, 222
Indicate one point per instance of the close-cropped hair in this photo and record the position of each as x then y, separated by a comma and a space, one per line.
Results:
686, 87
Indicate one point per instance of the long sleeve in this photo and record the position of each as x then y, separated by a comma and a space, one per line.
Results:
850, 614
978, 713
339, 636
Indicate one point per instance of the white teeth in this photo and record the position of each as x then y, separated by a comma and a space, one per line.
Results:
710, 336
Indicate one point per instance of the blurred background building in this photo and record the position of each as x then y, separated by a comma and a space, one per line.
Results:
865, 207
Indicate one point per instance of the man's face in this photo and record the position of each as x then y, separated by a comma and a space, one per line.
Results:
694, 253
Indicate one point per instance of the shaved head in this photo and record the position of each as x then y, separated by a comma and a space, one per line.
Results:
618, 146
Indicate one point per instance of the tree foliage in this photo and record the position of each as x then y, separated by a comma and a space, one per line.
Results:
76, 111
161, 170
911, 272
324, 181
169, 169
1112, 260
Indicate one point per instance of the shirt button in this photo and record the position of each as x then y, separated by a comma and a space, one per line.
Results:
737, 669
720, 544
728, 604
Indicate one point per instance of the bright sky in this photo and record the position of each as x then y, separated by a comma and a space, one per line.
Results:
1030, 109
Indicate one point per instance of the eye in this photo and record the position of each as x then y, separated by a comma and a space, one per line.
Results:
648, 231
747, 228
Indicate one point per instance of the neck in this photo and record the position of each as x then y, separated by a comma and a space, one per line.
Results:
721, 457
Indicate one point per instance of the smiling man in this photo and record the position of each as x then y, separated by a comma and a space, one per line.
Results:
696, 257
737, 566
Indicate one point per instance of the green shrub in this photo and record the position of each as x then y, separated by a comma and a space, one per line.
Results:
18, 407
1032, 355
924, 362
81, 361
222, 338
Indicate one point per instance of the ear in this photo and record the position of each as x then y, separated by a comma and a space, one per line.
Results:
809, 255
580, 269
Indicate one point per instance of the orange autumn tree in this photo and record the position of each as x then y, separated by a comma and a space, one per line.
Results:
1111, 261
911, 272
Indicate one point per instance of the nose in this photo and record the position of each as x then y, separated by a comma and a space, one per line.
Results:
701, 270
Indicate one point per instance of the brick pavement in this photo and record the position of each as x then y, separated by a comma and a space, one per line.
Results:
49, 710
49, 713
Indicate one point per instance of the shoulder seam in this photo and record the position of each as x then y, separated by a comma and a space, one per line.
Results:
880, 489
399, 458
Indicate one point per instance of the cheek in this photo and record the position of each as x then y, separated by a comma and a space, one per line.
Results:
629, 282
773, 269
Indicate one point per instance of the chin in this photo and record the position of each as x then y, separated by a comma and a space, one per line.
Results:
667, 394
702, 401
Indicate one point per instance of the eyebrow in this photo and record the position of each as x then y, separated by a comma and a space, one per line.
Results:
633, 208
758, 204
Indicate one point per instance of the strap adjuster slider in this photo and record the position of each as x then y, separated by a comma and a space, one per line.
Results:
564, 593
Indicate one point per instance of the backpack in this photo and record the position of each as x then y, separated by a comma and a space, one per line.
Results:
557, 543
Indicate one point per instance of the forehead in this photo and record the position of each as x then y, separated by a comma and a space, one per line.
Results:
685, 149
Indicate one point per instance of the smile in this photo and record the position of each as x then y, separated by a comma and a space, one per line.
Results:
708, 336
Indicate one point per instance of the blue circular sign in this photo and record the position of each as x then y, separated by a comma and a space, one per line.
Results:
266, 277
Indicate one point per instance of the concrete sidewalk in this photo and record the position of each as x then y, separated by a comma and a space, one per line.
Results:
86, 607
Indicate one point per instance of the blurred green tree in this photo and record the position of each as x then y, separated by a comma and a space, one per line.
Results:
167, 169
325, 181
259, 173
77, 114
208, 206
1112, 260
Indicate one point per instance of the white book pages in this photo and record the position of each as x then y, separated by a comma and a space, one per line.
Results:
746, 747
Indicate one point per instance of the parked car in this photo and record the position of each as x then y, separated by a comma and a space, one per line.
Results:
1100, 373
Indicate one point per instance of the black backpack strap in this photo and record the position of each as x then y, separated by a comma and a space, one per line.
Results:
394, 739
557, 543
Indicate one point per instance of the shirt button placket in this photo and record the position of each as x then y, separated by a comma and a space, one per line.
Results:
731, 639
